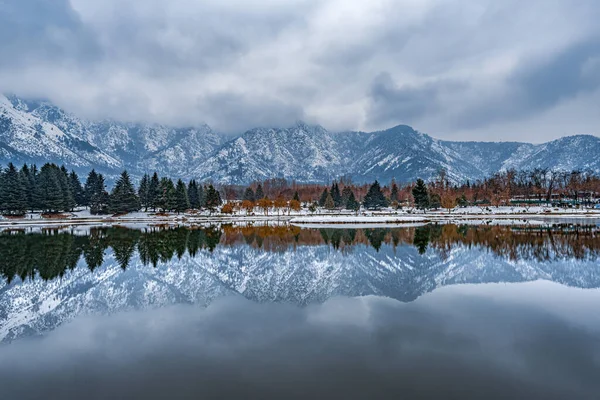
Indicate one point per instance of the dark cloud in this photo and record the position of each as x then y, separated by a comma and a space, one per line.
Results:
458, 347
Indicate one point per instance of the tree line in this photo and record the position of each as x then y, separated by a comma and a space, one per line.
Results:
53, 189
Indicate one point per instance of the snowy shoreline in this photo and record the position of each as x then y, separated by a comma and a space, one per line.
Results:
364, 219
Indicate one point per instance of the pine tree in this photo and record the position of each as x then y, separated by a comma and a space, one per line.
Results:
259, 193
28, 178
15, 196
123, 198
76, 188
182, 201
213, 198
329, 203
166, 200
395, 193
144, 192
154, 192
49, 189
435, 201
323, 197
2, 191
375, 198
249, 195
88, 187
201, 197
421, 195
67, 195
346, 196
352, 204
192, 191
335, 195
296, 196
95, 193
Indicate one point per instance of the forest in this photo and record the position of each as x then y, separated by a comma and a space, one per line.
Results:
53, 189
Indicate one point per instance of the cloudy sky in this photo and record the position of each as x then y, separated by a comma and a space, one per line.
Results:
483, 70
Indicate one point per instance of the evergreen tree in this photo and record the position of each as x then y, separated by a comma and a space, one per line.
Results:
201, 196
335, 195
28, 178
67, 195
421, 195
346, 196
213, 198
352, 204
323, 197
89, 186
76, 188
435, 201
144, 192
49, 189
296, 196
166, 199
329, 203
259, 193
95, 193
123, 198
462, 201
375, 198
193, 195
154, 192
182, 201
14, 199
249, 195
394, 196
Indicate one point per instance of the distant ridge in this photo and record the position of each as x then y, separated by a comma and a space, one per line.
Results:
38, 131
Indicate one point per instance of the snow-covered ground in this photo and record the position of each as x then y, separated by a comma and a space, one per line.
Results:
384, 216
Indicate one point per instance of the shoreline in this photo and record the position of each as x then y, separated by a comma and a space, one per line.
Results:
305, 220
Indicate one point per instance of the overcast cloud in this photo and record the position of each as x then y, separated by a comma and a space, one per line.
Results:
485, 70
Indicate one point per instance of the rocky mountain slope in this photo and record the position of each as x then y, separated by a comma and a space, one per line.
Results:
37, 131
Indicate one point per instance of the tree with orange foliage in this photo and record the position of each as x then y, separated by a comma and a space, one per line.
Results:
248, 206
294, 205
227, 208
265, 204
448, 200
280, 203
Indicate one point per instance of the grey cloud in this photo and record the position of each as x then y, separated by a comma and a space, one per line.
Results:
463, 347
34, 30
460, 67
391, 104
236, 112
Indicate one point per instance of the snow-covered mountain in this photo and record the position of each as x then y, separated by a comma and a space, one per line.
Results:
37, 131
302, 152
300, 275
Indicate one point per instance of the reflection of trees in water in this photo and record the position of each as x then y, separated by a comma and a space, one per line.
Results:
50, 253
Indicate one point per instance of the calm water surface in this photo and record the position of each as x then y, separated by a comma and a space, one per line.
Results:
283, 312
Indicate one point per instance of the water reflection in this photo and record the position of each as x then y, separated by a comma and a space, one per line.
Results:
463, 342
47, 254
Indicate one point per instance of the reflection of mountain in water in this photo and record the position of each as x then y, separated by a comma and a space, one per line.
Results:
109, 270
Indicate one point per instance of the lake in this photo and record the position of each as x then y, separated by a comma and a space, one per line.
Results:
434, 311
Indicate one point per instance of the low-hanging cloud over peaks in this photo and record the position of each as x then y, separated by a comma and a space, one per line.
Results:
460, 70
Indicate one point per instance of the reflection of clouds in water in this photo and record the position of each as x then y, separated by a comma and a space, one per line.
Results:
452, 343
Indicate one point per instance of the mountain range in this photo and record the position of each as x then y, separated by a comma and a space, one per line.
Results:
34, 131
